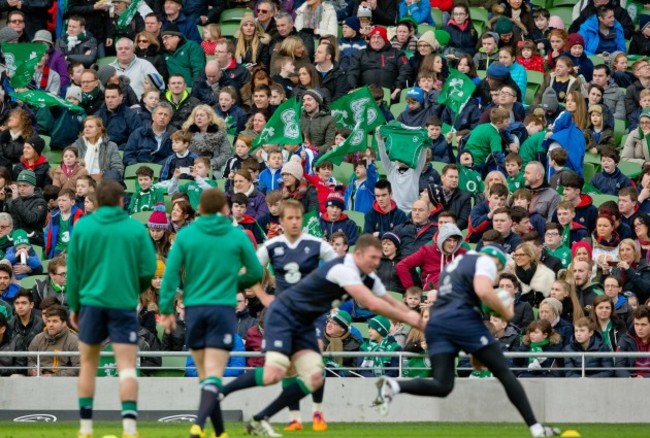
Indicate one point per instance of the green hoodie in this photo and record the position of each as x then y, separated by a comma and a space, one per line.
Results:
110, 261
211, 251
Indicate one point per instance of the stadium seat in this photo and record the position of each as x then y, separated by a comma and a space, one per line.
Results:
482, 73
600, 199
542, 3
234, 14
402, 95
436, 14
478, 14
343, 173
168, 203
589, 170
564, 13
380, 169
619, 130
105, 60
531, 92
438, 165
175, 367
39, 251
362, 327
422, 28
141, 216
130, 185
221, 183
54, 157
358, 217
129, 172
630, 169
46, 139
29, 282
556, 3
397, 108
229, 29
398, 296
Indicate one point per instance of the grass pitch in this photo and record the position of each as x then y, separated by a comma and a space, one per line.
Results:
336, 430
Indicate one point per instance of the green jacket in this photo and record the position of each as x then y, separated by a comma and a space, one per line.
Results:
110, 261
187, 60
531, 147
484, 140
211, 278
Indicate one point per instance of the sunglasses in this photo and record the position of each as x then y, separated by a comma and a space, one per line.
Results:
263, 11
143, 41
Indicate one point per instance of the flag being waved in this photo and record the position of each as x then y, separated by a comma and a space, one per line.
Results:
355, 142
456, 91
352, 107
404, 143
21, 60
283, 127
40, 99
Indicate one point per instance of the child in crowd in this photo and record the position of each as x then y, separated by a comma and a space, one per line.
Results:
586, 339
227, 108
572, 231
558, 39
598, 135
270, 222
389, 258
271, 178
90, 203
413, 298
278, 95
554, 246
351, 42
441, 150
539, 34
610, 180
644, 104
182, 158
539, 338
242, 154
246, 222
147, 195
488, 52
21, 255
360, 192
558, 159
160, 231
59, 227
522, 198
339, 242
85, 185
211, 34
66, 175
513, 169
379, 340
324, 182
335, 220
378, 95
529, 58
416, 112
286, 70
582, 65
305, 153
200, 172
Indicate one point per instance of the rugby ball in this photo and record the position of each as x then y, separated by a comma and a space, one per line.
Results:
505, 298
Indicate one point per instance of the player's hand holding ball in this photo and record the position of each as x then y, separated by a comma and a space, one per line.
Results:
507, 301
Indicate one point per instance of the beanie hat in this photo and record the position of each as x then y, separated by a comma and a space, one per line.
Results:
581, 244
416, 93
429, 37
74, 92
644, 21
554, 303
381, 324
43, 36
381, 31
353, 23
37, 143
19, 237
27, 176
556, 22
335, 199
612, 58
8, 34
364, 12
293, 167
392, 237
160, 268
495, 250
498, 71
104, 73
318, 97
645, 113
503, 25
156, 81
158, 218
342, 318
549, 100
575, 39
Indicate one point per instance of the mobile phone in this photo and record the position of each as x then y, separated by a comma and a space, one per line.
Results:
612, 262
185, 170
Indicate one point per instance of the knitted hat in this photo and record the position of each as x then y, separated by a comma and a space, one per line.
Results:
612, 58
335, 199
416, 93
160, 268
74, 92
556, 22
19, 237
581, 244
8, 34
158, 219
293, 167
429, 37
549, 100
595, 109
353, 23
43, 36
554, 303
498, 71
495, 250
318, 97
381, 31
392, 237
156, 81
105, 73
37, 143
645, 113
575, 39
364, 12
172, 29
503, 25
27, 177
381, 324
644, 21
342, 318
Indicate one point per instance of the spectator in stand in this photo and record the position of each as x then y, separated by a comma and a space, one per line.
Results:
587, 339
9, 365
98, 20
640, 41
417, 231
55, 59
209, 137
120, 120
52, 286
33, 159
137, 70
614, 96
148, 47
100, 155
316, 122
56, 338
384, 215
76, 44
18, 128
178, 97
641, 71
234, 73
333, 77
592, 8
144, 145
635, 340
539, 338
28, 207
610, 326
183, 56
185, 24
602, 33
175, 341
206, 86
92, 96
16, 21
316, 17
382, 12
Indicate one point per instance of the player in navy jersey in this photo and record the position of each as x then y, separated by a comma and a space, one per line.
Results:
293, 255
290, 334
456, 323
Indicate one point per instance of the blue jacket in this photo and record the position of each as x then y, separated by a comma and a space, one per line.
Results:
420, 11
269, 180
185, 25
174, 161
348, 47
441, 150
234, 367
418, 117
591, 35
142, 146
585, 64
119, 123
235, 118
378, 221
9, 293
344, 224
567, 134
604, 365
519, 75
468, 117
52, 229
32, 261
365, 193
610, 183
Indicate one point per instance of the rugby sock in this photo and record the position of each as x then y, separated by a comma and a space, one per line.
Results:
129, 416
291, 394
86, 414
317, 397
247, 380
294, 408
215, 416
209, 394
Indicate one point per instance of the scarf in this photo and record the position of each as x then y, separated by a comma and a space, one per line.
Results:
312, 17
68, 171
610, 243
86, 98
45, 77
538, 347
525, 275
606, 331
72, 41
298, 193
336, 344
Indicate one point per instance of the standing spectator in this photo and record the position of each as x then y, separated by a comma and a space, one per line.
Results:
183, 24
59, 228
56, 338
135, 68
99, 310
126, 25
28, 207
76, 44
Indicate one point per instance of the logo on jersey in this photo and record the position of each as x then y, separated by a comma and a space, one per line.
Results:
278, 344
307, 250
227, 339
484, 340
279, 251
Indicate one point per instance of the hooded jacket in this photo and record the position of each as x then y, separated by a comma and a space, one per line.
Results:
142, 146
187, 60
431, 259
52, 229
65, 340
630, 342
413, 237
610, 183
208, 281
591, 34
387, 67
29, 213
377, 220
344, 224
620, 14
596, 344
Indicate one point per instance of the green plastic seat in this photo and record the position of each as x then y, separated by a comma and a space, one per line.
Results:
29, 282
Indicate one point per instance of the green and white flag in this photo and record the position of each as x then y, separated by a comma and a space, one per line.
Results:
21, 60
469, 180
125, 17
40, 99
310, 224
404, 143
352, 107
283, 127
355, 142
456, 91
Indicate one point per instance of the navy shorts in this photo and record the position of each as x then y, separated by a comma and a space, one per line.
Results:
462, 329
210, 327
285, 334
96, 324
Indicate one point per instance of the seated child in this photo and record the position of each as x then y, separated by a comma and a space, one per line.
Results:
270, 222
610, 180
539, 338
379, 340
147, 196
585, 338
181, 159
598, 135
202, 181
513, 169
441, 150
271, 177
22, 256
66, 175
335, 220
85, 185
238, 209
59, 227
324, 182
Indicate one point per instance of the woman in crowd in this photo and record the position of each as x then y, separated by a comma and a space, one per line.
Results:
209, 137
535, 278
100, 155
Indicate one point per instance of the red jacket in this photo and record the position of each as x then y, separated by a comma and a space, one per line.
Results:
254, 343
535, 63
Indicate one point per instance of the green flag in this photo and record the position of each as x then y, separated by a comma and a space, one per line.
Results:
310, 224
456, 91
21, 60
469, 180
355, 142
125, 17
283, 127
40, 99
349, 109
404, 143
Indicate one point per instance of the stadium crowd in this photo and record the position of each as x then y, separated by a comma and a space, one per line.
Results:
549, 157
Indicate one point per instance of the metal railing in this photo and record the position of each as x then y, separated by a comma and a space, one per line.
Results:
337, 371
